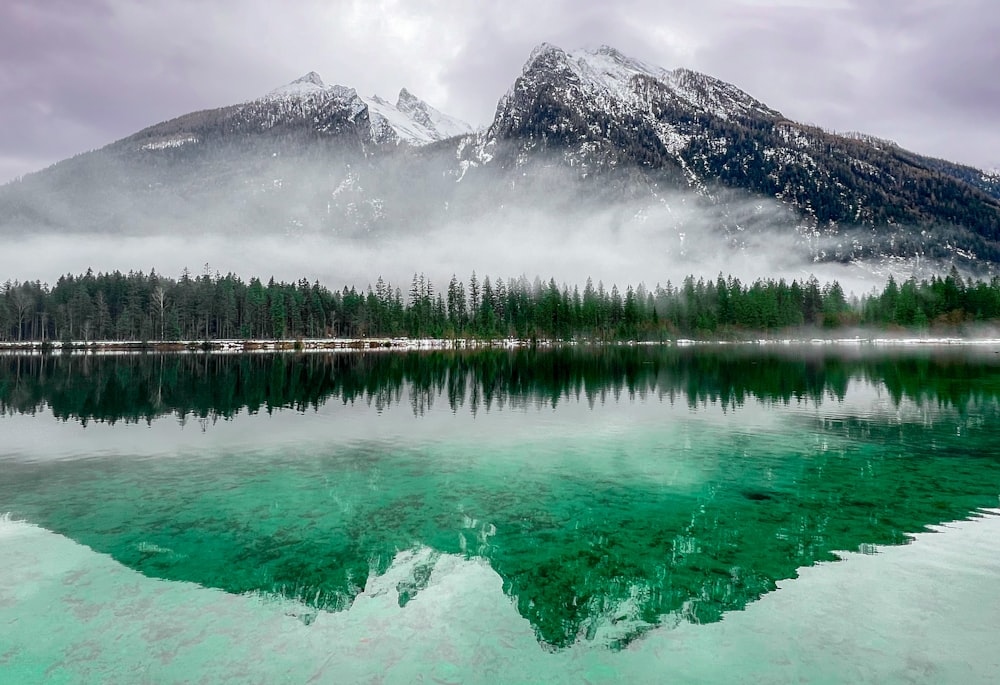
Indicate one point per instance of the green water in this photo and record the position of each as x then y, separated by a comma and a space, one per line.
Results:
615, 494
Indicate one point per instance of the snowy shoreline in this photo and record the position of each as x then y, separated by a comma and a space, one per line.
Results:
415, 344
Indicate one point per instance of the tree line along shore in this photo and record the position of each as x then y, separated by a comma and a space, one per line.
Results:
134, 309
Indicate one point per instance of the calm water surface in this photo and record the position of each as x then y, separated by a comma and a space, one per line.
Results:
568, 515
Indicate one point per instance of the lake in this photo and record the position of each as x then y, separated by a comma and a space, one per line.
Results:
781, 513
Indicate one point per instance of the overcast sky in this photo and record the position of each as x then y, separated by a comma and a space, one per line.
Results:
78, 74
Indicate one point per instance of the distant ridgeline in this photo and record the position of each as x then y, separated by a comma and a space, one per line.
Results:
134, 388
136, 306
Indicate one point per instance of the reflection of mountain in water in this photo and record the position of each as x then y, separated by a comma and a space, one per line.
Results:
596, 553
143, 387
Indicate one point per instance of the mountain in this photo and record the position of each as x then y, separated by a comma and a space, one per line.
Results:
580, 137
285, 162
600, 109
307, 107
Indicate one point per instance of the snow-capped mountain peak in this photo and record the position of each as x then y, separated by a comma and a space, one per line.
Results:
312, 77
310, 84
609, 75
609, 70
407, 101
441, 125
540, 50
410, 121
604, 68
614, 62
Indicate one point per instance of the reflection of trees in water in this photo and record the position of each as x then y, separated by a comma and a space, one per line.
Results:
142, 387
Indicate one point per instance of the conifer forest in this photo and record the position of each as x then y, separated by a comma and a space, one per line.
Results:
149, 307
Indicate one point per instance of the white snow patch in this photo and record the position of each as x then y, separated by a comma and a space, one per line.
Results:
168, 143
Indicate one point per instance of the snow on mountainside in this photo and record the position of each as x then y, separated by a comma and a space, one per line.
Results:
410, 121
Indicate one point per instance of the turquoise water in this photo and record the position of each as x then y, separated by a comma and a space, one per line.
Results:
500, 516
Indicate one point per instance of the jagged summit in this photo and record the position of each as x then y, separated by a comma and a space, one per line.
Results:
309, 84
608, 73
411, 121
437, 124
609, 50
605, 54
547, 55
312, 77
541, 50
406, 100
